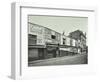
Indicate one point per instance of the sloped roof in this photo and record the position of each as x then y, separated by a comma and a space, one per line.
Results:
76, 34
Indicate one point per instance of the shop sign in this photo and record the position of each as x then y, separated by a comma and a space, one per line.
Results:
35, 29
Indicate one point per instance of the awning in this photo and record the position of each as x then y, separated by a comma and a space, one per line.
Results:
67, 46
36, 46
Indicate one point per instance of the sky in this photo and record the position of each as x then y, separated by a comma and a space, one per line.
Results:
61, 23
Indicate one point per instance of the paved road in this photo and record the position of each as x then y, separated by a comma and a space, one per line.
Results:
66, 60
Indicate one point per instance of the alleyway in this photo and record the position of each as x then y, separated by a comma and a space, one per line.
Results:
66, 60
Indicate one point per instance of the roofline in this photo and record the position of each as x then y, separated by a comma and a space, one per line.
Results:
51, 29
44, 27
78, 30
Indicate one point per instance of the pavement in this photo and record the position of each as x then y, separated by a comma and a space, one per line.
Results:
65, 60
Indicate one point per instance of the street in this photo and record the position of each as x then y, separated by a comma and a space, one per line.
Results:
65, 60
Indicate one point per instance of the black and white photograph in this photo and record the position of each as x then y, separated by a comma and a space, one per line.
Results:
50, 41
57, 40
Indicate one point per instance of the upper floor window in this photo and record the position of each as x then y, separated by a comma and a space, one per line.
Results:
32, 39
64, 41
53, 36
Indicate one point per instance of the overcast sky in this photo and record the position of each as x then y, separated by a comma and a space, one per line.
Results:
60, 24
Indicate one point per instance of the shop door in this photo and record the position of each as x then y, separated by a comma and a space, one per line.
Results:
41, 53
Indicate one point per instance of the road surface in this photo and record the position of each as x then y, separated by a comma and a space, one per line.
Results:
65, 60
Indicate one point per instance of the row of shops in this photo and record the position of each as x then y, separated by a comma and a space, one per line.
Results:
44, 43
37, 52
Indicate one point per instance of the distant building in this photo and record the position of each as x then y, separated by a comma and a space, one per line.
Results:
80, 37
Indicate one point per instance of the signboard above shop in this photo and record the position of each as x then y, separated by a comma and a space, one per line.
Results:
35, 29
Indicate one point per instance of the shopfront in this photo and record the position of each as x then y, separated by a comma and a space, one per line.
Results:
52, 50
36, 52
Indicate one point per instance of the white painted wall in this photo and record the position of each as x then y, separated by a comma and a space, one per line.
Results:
38, 31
